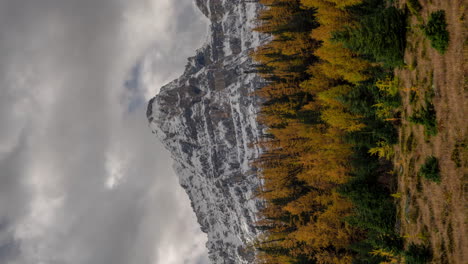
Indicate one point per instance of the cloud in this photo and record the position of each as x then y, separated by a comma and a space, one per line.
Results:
73, 77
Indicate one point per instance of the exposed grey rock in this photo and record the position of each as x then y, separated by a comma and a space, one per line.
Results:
207, 120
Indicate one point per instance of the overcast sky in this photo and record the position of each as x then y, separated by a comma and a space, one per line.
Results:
82, 179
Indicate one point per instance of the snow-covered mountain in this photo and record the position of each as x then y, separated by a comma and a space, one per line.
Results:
207, 120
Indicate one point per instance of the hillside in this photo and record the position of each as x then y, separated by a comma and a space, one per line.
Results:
435, 213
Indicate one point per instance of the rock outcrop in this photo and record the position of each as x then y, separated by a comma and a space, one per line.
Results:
207, 120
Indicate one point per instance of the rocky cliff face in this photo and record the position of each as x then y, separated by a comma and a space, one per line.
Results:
207, 120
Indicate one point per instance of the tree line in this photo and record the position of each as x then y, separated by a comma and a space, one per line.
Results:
328, 108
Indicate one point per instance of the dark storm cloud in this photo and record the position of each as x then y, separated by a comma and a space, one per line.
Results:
82, 179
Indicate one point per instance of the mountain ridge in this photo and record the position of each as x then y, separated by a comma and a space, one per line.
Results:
207, 120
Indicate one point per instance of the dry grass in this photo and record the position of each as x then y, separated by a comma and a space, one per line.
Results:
436, 214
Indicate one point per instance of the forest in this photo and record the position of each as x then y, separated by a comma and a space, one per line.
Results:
331, 108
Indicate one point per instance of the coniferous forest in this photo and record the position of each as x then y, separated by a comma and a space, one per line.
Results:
332, 111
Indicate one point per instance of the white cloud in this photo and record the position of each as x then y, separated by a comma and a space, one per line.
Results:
115, 167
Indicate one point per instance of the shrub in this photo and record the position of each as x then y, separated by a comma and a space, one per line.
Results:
436, 31
458, 154
430, 169
414, 7
426, 117
417, 254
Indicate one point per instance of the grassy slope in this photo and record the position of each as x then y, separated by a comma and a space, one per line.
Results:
431, 213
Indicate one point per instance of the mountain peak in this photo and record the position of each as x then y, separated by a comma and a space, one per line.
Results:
207, 119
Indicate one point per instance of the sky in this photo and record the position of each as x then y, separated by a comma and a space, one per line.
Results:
82, 179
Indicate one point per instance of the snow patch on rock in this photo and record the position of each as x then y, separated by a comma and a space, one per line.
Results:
207, 120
